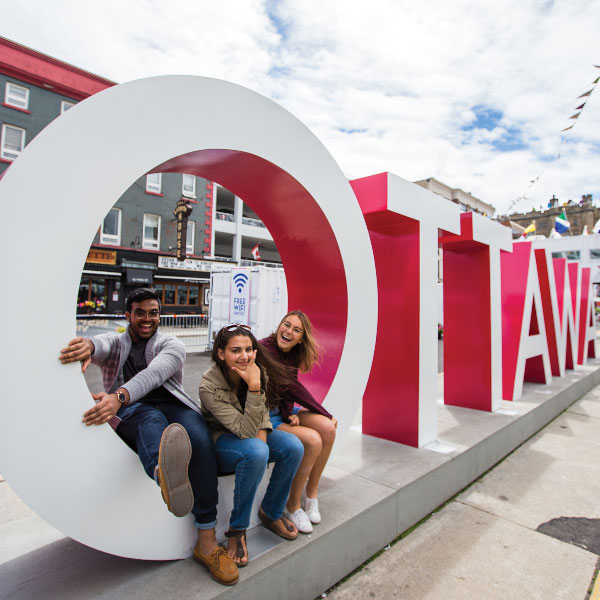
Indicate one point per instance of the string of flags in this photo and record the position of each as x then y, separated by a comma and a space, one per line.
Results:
578, 110
561, 226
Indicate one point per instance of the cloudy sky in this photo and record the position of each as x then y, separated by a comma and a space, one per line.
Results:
472, 93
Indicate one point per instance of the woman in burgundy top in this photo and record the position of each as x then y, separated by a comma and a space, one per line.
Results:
293, 344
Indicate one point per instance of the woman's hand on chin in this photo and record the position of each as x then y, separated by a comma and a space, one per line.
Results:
251, 374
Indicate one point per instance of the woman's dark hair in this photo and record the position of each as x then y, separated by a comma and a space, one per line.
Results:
278, 376
139, 295
307, 353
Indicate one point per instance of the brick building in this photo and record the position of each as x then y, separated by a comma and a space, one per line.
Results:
579, 214
135, 244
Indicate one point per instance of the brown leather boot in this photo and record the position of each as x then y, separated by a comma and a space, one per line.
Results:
220, 565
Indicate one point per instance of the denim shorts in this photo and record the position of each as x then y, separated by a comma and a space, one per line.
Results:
275, 416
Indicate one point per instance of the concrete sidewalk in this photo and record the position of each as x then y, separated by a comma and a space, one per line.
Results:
529, 528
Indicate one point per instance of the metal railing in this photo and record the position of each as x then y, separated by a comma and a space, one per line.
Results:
254, 263
253, 222
192, 330
221, 216
183, 321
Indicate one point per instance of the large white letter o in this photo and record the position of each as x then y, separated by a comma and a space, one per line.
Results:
85, 481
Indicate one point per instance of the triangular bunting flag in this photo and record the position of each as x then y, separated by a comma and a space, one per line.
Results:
580, 107
575, 115
586, 94
528, 230
561, 224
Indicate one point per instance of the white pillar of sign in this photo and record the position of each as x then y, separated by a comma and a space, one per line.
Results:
86, 482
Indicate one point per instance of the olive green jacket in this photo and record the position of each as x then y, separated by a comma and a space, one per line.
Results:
223, 411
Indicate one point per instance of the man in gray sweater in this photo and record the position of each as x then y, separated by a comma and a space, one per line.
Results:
142, 373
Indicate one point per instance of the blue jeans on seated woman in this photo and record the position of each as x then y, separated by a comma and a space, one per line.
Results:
249, 458
276, 418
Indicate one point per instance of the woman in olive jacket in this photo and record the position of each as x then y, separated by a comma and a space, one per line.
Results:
236, 394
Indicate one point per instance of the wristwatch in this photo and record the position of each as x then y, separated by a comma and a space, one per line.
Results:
121, 397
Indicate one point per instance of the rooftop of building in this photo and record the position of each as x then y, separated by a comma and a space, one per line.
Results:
36, 68
457, 195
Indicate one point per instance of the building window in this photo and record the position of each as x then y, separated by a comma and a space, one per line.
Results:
110, 232
154, 183
188, 187
151, 232
181, 294
568, 254
13, 142
16, 96
92, 296
189, 241
65, 105
595, 253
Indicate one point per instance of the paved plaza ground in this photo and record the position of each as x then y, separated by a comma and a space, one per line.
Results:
530, 528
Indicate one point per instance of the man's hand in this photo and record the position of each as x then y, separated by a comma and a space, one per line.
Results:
79, 349
107, 406
294, 420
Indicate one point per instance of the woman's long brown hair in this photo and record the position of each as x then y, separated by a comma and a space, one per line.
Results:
278, 376
306, 354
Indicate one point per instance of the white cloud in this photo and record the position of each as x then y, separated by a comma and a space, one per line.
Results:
386, 85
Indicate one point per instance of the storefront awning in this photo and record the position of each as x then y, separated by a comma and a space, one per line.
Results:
188, 279
101, 273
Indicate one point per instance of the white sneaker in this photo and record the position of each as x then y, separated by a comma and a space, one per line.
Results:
300, 520
311, 507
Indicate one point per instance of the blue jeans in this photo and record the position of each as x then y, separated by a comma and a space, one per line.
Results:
142, 425
277, 420
248, 458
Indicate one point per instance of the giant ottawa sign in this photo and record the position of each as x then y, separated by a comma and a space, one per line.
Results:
360, 257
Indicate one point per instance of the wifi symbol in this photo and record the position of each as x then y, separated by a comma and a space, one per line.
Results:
240, 280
